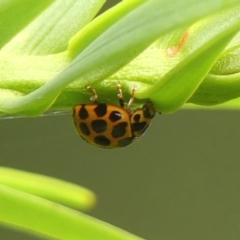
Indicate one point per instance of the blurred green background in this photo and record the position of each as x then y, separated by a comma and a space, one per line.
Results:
179, 181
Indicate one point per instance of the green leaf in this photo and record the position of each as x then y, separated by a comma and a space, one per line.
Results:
229, 105
48, 219
223, 81
16, 14
50, 32
106, 46
204, 43
49, 188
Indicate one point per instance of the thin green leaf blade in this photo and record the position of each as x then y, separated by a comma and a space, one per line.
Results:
229, 105
180, 83
49, 188
50, 32
118, 45
45, 218
25, 10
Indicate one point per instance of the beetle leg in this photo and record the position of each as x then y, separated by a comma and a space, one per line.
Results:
131, 98
120, 94
94, 96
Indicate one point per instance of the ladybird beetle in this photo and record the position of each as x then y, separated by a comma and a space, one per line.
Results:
109, 125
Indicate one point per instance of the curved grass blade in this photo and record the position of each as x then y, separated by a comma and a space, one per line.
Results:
25, 10
56, 190
116, 46
229, 105
180, 83
45, 218
50, 32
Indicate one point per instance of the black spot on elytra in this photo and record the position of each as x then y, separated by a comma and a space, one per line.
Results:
138, 126
115, 116
99, 125
83, 113
84, 129
102, 140
119, 130
124, 142
136, 117
101, 109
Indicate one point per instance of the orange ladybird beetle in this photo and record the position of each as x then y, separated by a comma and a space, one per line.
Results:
109, 125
